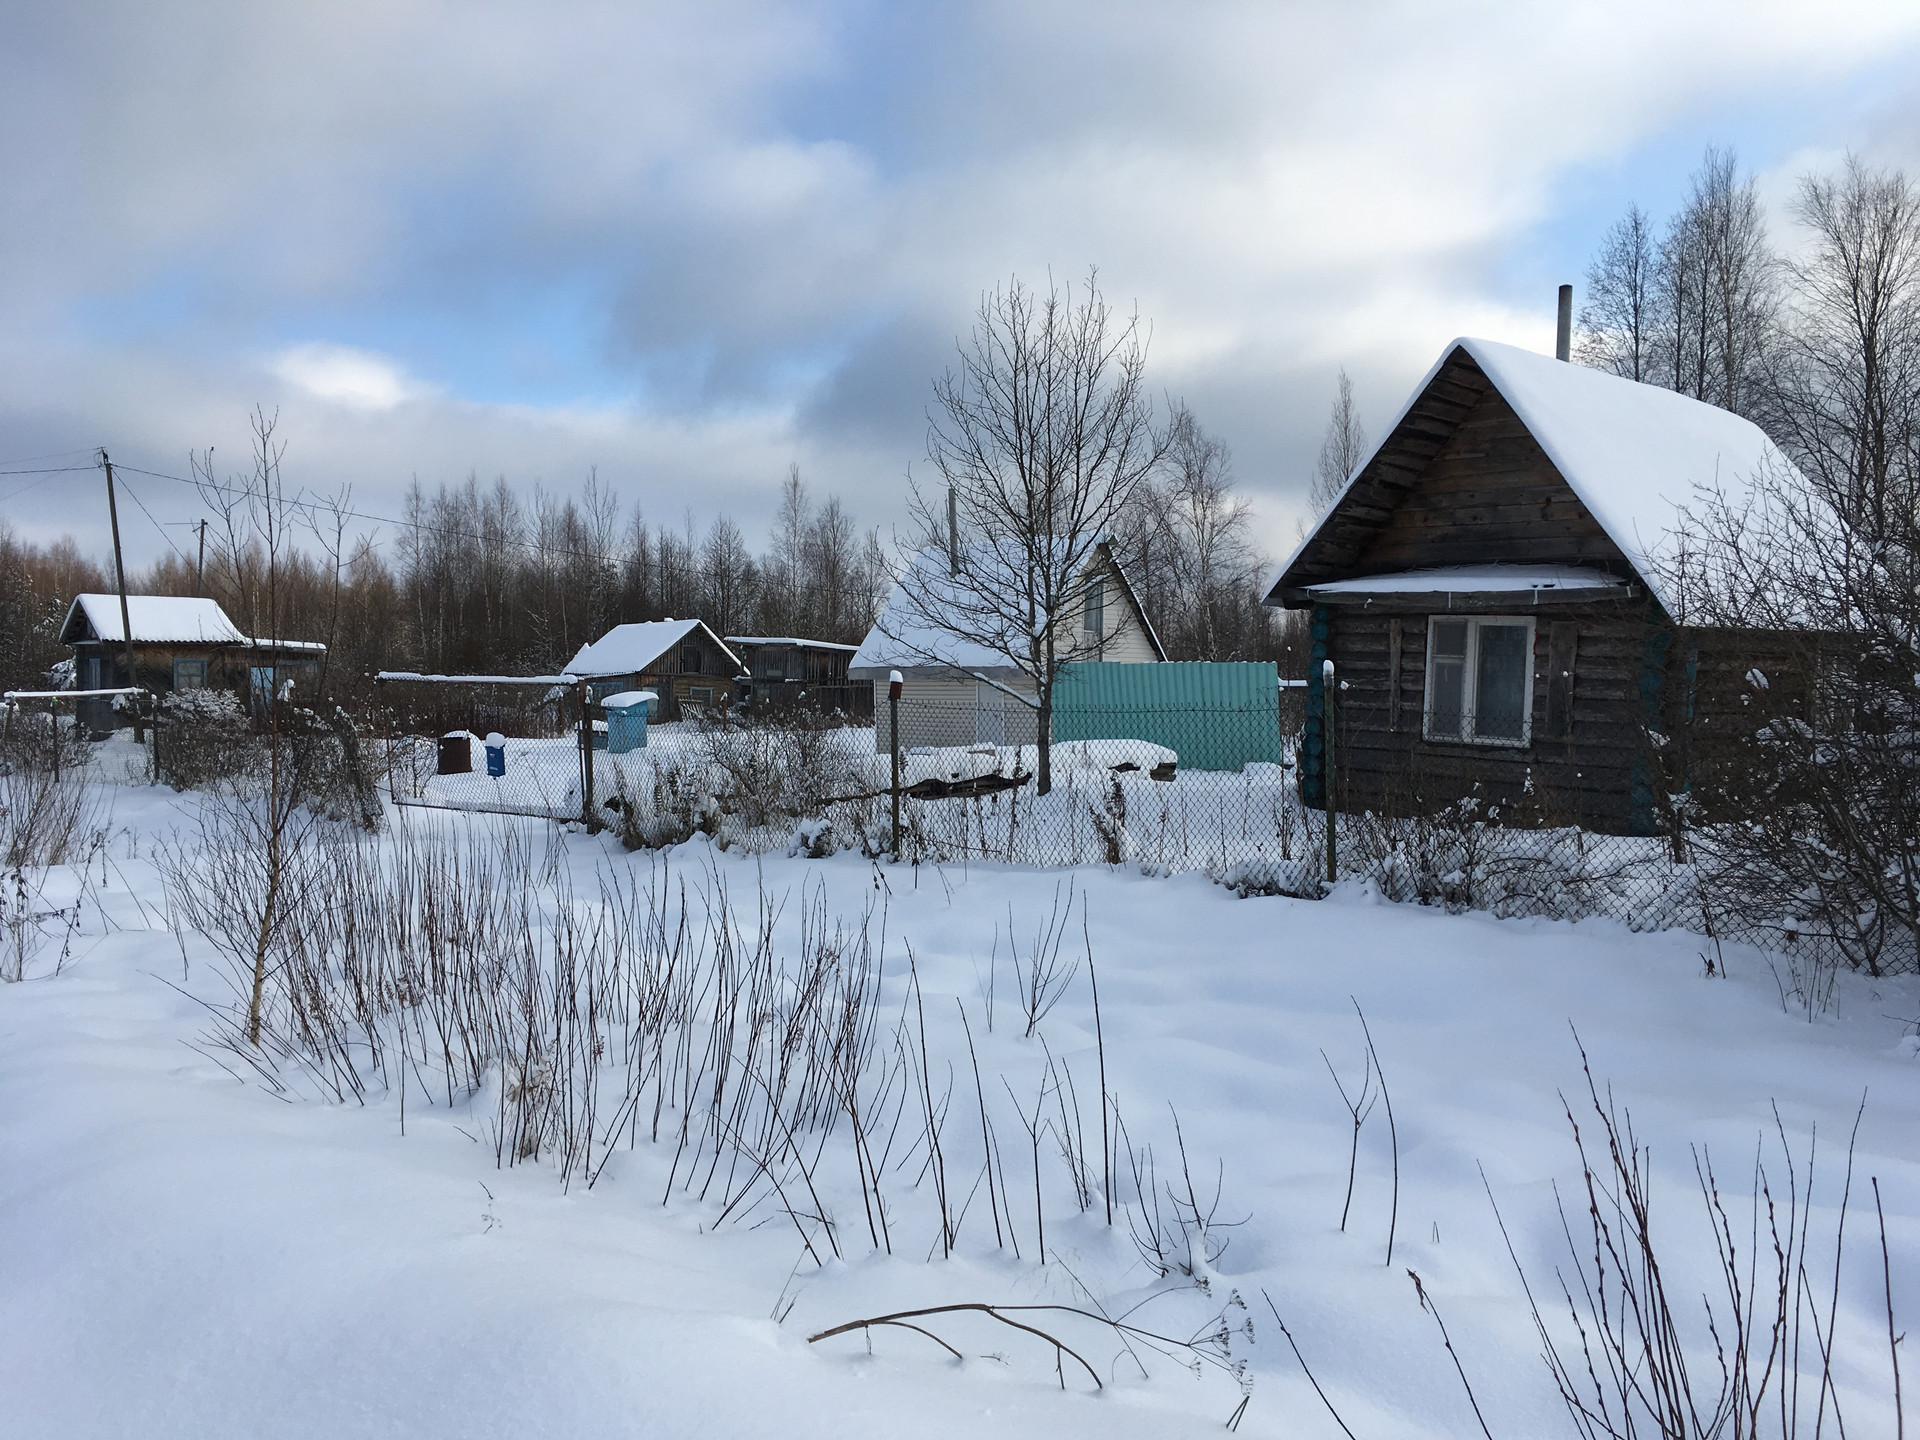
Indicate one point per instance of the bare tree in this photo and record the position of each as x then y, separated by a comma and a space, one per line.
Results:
1187, 542
1826, 773
1846, 399
728, 577
1041, 436
1619, 321
1717, 293
1342, 448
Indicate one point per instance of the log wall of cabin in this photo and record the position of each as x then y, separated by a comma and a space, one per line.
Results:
1587, 748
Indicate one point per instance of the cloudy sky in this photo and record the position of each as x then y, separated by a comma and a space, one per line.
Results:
688, 244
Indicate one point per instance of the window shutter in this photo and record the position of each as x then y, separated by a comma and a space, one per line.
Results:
1562, 642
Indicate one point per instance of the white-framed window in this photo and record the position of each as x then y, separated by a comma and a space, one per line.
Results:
700, 695
1479, 679
1093, 615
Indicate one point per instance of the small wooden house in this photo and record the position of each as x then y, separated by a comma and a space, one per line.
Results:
1488, 586
960, 691
688, 665
787, 670
180, 642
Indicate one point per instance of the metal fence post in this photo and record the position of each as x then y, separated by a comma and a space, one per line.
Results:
587, 814
894, 683
1327, 691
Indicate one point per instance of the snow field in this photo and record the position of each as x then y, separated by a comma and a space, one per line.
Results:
189, 1253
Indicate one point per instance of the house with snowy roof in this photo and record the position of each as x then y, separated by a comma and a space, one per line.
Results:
683, 662
1489, 586
180, 642
961, 681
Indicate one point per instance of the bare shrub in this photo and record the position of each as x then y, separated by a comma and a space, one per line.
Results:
47, 816
1633, 1353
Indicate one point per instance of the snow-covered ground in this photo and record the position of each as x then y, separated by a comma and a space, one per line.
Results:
185, 1253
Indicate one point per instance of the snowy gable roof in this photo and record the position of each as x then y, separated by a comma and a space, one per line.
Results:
908, 634
156, 620
633, 648
1634, 454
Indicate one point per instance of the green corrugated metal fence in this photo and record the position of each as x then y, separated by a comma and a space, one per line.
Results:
1215, 715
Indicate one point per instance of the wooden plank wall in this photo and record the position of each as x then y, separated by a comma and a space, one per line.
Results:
1587, 732
1489, 495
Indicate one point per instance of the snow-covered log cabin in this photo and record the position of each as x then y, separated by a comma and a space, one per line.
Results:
1489, 587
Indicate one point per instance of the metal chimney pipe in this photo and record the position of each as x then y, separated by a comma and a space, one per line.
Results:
1563, 333
953, 531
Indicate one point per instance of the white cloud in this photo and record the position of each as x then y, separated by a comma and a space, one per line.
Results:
341, 375
771, 217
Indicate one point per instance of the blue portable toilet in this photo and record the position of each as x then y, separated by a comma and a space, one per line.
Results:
627, 720
496, 755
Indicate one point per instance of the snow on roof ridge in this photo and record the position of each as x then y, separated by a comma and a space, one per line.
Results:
631, 647
1635, 454
165, 620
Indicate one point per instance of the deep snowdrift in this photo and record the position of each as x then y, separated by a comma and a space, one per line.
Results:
188, 1254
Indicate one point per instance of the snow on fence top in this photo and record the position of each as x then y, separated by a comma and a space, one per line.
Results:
415, 677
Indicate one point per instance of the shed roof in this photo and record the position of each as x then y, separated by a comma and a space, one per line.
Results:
789, 640
161, 620
633, 648
1634, 454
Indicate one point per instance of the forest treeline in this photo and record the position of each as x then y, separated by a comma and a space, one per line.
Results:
481, 578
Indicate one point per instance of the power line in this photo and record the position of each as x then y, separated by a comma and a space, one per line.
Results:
49, 470
50, 455
156, 524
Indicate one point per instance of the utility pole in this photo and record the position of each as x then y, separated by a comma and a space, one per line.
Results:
200, 570
120, 578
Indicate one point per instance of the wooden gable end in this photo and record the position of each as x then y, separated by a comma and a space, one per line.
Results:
1460, 481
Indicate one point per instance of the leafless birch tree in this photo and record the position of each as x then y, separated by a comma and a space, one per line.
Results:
1342, 448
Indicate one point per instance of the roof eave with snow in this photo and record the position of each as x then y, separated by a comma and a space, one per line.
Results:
1635, 455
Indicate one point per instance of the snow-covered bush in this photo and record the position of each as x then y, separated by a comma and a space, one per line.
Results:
1265, 874
205, 737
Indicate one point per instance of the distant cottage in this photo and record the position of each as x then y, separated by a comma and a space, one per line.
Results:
180, 642
1487, 587
689, 666
962, 691
785, 670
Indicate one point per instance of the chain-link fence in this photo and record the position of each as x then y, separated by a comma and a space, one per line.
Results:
968, 790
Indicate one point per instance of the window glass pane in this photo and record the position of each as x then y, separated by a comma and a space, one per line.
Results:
1447, 676
1095, 618
1500, 682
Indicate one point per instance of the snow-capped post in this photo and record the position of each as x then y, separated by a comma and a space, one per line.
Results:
587, 816
1327, 689
1563, 331
894, 682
